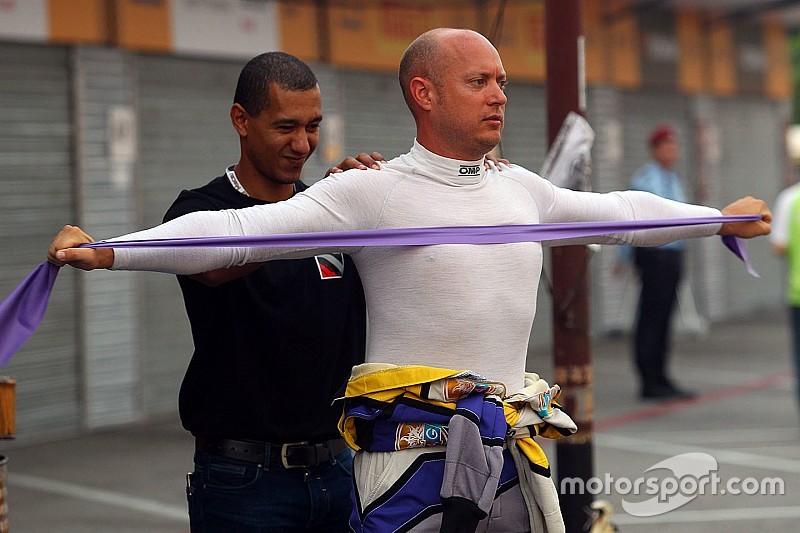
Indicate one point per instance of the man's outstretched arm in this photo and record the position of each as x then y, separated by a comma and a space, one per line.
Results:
63, 249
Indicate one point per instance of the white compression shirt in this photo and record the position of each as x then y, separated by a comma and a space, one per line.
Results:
455, 306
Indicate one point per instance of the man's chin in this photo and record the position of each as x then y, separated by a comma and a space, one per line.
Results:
490, 143
289, 177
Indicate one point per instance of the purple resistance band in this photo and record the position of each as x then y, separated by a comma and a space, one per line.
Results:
23, 309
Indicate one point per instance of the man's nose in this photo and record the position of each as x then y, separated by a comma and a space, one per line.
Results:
498, 95
300, 143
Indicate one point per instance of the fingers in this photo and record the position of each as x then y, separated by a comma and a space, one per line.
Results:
64, 250
747, 230
370, 160
362, 161
490, 160
86, 258
82, 258
766, 214
333, 170
376, 156
348, 163
68, 237
746, 206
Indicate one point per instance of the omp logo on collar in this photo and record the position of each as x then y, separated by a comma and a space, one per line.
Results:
331, 266
469, 170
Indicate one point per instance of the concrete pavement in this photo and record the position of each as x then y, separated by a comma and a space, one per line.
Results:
127, 480
746, 419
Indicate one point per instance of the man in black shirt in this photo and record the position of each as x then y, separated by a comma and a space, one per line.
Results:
274, 341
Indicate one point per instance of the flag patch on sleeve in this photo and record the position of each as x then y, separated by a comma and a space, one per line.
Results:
331, 266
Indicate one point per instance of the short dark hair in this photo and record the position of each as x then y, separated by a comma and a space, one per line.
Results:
288, 72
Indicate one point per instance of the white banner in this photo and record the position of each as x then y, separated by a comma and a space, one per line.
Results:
24, 20
569, 161
232, 28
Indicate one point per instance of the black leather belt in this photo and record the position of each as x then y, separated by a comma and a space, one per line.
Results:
290, 454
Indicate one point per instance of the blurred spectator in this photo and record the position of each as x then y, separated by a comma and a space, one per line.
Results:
786, 243
660, 270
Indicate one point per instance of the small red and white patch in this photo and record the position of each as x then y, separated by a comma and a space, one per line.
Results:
331, 266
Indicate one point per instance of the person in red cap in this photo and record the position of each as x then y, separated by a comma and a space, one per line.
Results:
660, 269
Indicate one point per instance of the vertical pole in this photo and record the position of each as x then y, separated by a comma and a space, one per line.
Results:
323, 31
571, 345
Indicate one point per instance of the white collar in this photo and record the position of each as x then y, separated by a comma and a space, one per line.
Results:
452, 171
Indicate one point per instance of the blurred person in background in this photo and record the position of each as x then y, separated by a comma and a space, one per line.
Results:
660, 270
786, 243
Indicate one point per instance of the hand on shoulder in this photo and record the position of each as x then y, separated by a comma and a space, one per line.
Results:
362, 161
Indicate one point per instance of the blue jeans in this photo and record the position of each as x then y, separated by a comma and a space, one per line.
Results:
227, 496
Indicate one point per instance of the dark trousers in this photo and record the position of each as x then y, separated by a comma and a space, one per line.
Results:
660, 272
230, 496
795, 323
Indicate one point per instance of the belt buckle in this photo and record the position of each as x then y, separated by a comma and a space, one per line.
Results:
284, 448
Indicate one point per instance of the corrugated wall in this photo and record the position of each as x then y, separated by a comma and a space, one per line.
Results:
751, 163
110, 355
36, 200
186, 139
375, 115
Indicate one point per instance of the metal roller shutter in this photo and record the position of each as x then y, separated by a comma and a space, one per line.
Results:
375, 115
525, 130
111, 365
751, 142
36, 200
185, 140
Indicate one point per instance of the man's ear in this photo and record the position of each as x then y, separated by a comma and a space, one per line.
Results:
421, 89
240, 119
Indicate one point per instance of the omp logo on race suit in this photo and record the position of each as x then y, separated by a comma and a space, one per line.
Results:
469, 170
